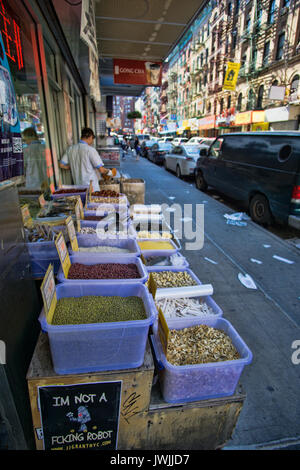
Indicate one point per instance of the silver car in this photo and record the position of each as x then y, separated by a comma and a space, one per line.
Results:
182, 160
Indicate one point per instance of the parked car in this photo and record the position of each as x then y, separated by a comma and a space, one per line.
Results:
165, 139
143, 137
261, 170
179, 140
195, 140
182, 159
145, 146
158, 151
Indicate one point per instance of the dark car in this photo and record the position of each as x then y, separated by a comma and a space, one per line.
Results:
261, 170
146, 145
158, 152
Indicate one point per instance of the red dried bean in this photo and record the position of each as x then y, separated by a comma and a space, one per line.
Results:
66, 191
93, 217
103, 271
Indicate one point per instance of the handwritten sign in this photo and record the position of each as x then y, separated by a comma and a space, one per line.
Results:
163, 330
72, 233
63, 253
27, 219
48, 290
80, 416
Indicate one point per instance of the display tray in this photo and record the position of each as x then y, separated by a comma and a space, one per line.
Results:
99, 346
181, 384
155, 251
130, 244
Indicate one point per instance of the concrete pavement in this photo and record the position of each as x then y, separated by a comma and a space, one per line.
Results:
267, 318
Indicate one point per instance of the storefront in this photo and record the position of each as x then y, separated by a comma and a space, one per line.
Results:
284, 118
207, 126
51, 97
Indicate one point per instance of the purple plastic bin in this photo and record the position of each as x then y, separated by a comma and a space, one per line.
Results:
99, 346
182, 384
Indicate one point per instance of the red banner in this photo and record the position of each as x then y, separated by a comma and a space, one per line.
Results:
137, 72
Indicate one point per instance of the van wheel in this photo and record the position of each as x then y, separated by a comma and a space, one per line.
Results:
201, 184
259, 210
178, 172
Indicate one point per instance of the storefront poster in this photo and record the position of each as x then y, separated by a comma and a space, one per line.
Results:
137, 72
207, 122
11, 149
80, 416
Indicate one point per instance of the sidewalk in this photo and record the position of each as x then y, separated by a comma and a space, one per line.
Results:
267, 318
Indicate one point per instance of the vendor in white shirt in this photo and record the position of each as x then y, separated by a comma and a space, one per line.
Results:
85, 162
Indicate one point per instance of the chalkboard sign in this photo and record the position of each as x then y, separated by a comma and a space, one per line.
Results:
80, 416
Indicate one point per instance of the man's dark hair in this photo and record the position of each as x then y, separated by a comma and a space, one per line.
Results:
86, 133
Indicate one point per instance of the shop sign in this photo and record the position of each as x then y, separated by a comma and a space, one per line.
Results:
258, 116
10, 31
231, 76
243, 118
207, 122
82, 416
277, 114
137, 72
260, 126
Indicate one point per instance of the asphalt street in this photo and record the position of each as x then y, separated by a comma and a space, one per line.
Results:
267, 317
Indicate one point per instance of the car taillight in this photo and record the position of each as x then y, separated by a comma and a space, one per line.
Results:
296, 194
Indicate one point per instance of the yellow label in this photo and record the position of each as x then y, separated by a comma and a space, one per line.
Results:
48, 290
231, 76
152, 286
72, 233
63, 253
143, 260
163, 330
27, 219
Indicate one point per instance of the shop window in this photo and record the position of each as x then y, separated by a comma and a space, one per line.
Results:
280, 46
29, 98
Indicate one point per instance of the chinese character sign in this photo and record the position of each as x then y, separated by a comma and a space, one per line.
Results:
11, 149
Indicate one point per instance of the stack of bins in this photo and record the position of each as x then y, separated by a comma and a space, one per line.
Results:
113, 345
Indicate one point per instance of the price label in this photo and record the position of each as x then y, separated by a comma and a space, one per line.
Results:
72, 233
63, 253
48, 290
152, 286
27, 219
143, 260
163, 330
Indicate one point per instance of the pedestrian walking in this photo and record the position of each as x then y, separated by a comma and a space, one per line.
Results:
137, 148
85, 162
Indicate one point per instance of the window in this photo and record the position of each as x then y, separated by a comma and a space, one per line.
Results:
251, 100
295, 85
271, 14
228, 101
239, 102
215, 148
222, 105
280, 46
266, 53
229, 9
260, 97
234, 38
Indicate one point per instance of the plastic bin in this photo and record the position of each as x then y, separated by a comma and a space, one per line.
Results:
158, 252
130, 244
81, 194
99, 346
182, 384
185, 263
98, 258
41, 255
174, 269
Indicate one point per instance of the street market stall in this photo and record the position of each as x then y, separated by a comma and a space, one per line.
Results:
117, 312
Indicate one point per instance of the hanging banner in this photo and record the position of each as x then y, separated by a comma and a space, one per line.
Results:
231, 76
137, 72
11, 148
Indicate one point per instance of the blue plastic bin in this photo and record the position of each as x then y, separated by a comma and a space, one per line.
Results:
81, 194
130, 244
182, 384
98, 258
175, 269
99, 346
185, 264
41, 255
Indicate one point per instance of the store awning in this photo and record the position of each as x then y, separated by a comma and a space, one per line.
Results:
139, 30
